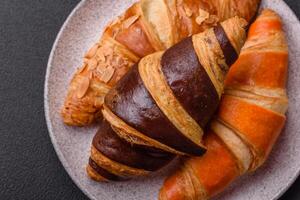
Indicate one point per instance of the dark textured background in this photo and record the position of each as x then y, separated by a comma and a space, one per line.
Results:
29, 167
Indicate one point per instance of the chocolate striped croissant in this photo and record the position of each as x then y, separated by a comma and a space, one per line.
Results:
160, 107
146, 27
250, 117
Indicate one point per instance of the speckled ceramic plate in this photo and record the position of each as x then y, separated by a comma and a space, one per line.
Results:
80, 31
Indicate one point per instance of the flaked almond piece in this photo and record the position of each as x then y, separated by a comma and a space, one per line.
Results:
117, 61
97, 74
107, 74
92, 51
128, 22
203, 15
100, 56
187, 11
92, 64
101, 66
107, 50
83, 87
213, 19
110, 57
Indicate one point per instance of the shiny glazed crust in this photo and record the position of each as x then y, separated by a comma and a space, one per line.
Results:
250, 118
146, 27
147, 121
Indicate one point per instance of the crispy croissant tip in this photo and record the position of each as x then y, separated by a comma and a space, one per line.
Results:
267, 12
172, 189
242, 22
94, 175
250, 116
162, 194
236, 21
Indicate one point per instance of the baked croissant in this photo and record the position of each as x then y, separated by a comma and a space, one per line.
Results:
160, 107
146, 27
250, 118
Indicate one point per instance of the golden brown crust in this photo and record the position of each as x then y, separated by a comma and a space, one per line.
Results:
211, 55
260, 136
250, 117
235, 32
132, 135
94, 175
260, 76
187, 187
129, 30
276, 104
158, 17
145, 27
141, 110
258, 89
143, 103
235, 144
135, 107
135, 38
104, 65
208, 170
114, 167
154, 81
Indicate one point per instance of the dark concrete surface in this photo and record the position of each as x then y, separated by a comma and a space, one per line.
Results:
29, 167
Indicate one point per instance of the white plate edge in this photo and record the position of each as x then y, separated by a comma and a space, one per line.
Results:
60, 155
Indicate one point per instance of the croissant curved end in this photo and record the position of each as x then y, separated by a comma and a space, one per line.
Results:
145, 27
256, 81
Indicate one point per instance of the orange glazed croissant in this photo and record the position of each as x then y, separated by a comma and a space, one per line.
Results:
160, 107
146, 27
249, 121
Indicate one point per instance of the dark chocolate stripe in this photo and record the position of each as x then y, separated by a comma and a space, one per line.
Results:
103, 172
189, 81
131, 101
228, 50
109, 144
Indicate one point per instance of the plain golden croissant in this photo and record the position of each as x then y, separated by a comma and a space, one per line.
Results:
249, 121
146, 27
161, 106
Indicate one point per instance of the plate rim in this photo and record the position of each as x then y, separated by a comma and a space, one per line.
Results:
59, 153
57, 150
